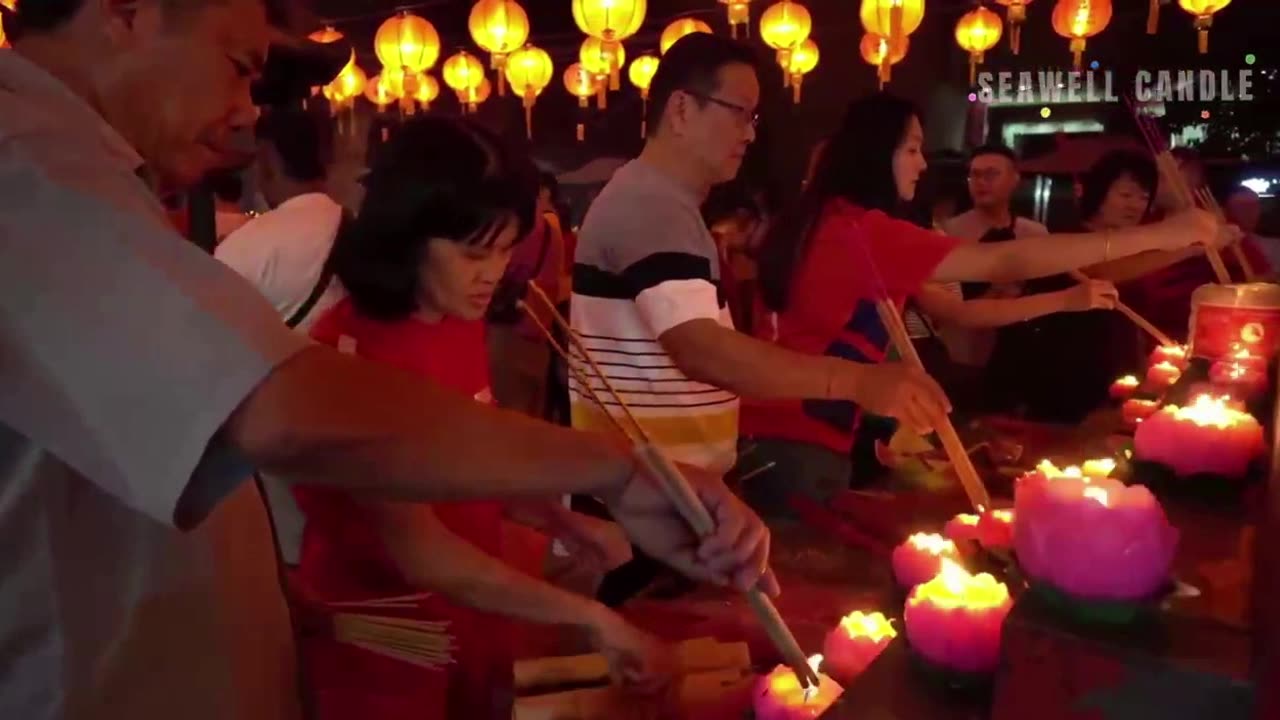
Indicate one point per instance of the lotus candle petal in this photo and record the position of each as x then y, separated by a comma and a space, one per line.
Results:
995, 529
1135, 410
1123, 387
851, 646
1099, 468
1172, 354
1207, 436
920, 557
1091, 537
954, 620
780, 696
961, 529
1163, 375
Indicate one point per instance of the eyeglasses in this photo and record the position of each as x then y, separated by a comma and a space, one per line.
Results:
746, 116
983, 175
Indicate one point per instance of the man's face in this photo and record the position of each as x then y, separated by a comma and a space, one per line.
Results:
715, 128
992, 181
178, 86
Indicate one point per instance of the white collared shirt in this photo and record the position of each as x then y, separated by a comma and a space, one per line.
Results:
283, 252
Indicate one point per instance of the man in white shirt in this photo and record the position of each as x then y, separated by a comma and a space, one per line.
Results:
993, 179
284, 252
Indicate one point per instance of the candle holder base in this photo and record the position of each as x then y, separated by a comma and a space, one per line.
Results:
975, 685
1204, 487
1088, 611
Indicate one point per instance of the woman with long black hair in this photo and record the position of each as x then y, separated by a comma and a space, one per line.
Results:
843, 246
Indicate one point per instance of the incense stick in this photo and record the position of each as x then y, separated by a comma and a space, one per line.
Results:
1210, 203
681, 494
1132, 314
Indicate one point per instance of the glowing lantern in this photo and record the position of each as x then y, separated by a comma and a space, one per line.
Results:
427, 91
641, 75
325, 35
1017, 15
678, 29
977, 32
349, 84
1203, 11
476, 95
529, 71
407, 42
1078, 20
582, 84
801, 62
3, 42
604, 59
611, 22
739, 13
784, 27
463, 73
877, 50
498, 27
380, 93
893, 19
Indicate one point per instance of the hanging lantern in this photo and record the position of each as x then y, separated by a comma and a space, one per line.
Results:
610, 20
349, 84
605, 59
1153, 16
801, 62
641, 75
476, 95
739, 14
582, 84
499, 27
529, 72
325, 35
3, 42
894, 19
678, 29
1078, 20
427, 91
1203, 11
783, 27
977, 32
380, 93
879, 51
407, 42
1017, 15
463, 73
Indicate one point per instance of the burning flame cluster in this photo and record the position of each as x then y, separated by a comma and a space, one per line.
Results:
954, 587
874, 626
933, 543
785, 684
1208, 411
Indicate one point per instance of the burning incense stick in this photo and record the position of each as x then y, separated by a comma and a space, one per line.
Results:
674, 484
1130, 313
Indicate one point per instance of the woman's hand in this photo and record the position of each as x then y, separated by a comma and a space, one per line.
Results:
897, 390
1194, 227
1091, 295
637, 660
600, 543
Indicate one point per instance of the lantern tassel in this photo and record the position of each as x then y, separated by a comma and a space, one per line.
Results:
602, 96
1203, 24
528, 118
974, 59
895, 24
614, 81
795, 88
1077, 51
644, 116
784, 59
1153, 17
1015, 37
582, 132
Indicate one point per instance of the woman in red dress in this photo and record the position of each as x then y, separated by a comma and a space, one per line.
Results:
444, 208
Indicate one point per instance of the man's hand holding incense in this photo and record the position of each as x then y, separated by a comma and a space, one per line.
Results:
736, 553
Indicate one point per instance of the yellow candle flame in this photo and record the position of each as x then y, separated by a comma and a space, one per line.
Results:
1100, 467
1178, 351
1209, 411
932, 543
1166, 366
1128, 381
954, 587
874, 626
967, 519
1004, 516
1097, 493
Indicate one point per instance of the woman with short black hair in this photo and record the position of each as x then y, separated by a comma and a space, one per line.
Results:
446, 204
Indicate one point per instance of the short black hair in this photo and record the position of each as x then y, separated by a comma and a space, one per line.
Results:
1112, 166
1003, 151
302, 138
693, 63
436, 177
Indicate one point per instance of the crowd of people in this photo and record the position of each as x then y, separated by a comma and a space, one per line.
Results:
377, 376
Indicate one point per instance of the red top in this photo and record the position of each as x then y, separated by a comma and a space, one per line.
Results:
855, 257
343, 557
1164, 296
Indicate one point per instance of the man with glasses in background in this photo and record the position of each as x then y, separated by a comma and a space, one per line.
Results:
647, 297
993, 179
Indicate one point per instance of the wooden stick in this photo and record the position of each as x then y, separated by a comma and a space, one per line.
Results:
1210, 203
1130, 313
696, 655
968, 474
682, 495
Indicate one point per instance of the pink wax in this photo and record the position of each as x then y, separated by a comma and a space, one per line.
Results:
919, 558
851, 646
779, 695
995, 529
955, 619
1207, 436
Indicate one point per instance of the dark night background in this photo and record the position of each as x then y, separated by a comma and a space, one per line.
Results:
934, 73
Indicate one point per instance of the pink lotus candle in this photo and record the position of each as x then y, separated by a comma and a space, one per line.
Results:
1123, 387
920, 557
1135, 410
954, 620
780, 696
961, 529
1207, 436
851, 646
995, 529
1163, 375
1091, 537
1099, 468
1172, 354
